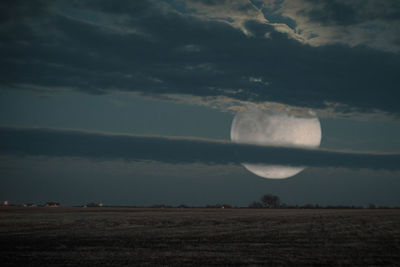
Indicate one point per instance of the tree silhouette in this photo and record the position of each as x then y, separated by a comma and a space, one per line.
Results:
270, 201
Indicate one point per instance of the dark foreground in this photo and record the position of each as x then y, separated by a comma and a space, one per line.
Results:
128, 236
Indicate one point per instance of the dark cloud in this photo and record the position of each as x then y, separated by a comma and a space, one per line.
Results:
332, 12
63, 143
97, 47
213, 2
341, 12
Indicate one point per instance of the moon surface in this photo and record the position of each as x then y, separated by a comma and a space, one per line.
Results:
261, 128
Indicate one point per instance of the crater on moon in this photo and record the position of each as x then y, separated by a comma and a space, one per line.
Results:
257, 127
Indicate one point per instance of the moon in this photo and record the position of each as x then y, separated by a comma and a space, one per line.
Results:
257, 127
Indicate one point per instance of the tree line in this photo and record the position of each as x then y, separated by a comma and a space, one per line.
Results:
270, 201
267, 201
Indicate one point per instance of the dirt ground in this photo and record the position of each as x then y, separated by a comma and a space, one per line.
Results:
138, 236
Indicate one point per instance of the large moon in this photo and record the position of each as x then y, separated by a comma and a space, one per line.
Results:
257, 127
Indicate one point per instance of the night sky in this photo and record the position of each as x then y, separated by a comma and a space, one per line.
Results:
131, 102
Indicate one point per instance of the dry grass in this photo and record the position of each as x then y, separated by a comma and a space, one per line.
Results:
128, 236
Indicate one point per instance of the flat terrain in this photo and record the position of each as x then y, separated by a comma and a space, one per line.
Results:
133, 236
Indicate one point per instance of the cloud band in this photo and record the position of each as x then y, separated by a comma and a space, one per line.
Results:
68, 143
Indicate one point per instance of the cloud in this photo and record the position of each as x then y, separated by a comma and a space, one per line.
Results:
159, 48
371, 23
341, 12
67, 143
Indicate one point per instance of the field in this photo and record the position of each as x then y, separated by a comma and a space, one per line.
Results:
138, 236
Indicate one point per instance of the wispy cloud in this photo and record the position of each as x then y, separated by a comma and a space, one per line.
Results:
67, 143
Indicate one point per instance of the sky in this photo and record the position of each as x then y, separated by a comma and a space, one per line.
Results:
131, 102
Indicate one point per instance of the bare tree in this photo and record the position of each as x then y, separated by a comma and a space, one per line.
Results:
270, 201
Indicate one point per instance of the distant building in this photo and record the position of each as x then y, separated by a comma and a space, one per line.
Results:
93, 205
52, 204
30, 205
